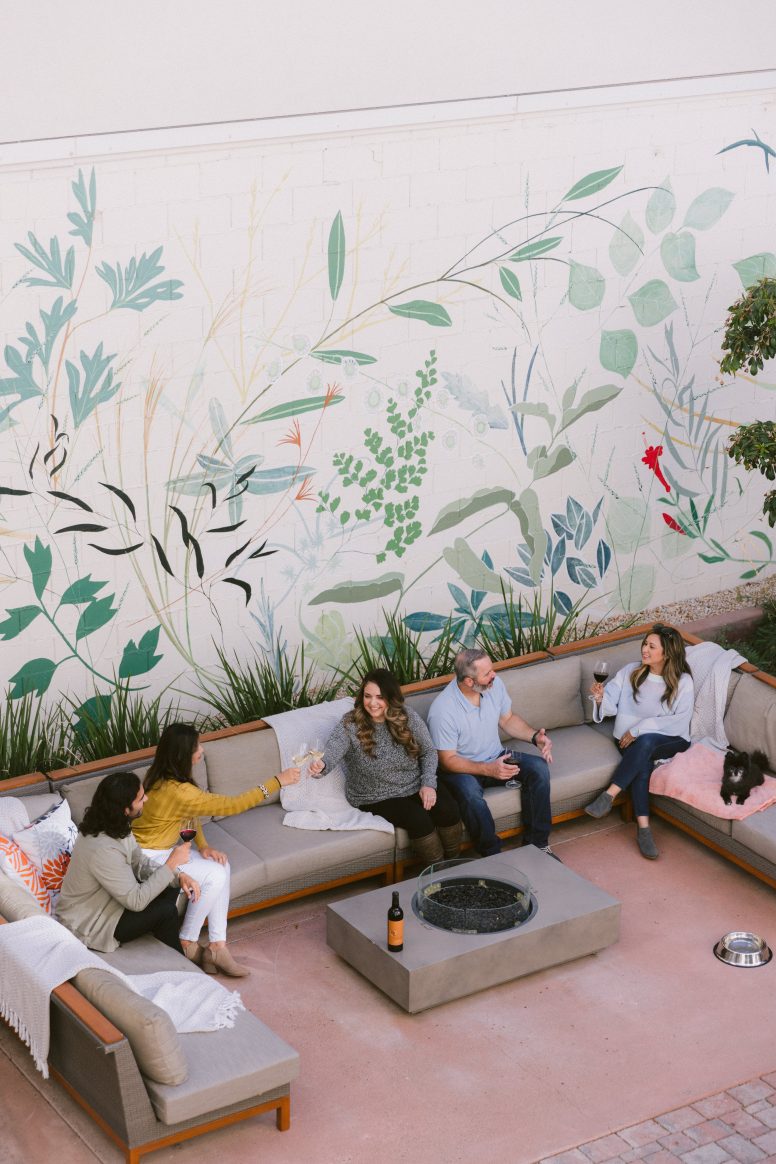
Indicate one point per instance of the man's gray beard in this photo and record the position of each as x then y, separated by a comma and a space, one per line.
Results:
481, 688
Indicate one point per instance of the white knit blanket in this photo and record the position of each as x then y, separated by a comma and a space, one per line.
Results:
37, 954
318, 802
711, 666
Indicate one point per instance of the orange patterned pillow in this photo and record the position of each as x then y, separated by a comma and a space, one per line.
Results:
48, 842
19, 868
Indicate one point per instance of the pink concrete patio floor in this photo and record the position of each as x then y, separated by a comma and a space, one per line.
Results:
579, 1063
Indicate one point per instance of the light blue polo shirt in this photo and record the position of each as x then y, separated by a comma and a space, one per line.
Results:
457, 726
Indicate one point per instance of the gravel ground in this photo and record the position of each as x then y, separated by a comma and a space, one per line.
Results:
691, 609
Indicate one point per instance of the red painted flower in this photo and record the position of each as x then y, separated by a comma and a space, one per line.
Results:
672, 523
651, 459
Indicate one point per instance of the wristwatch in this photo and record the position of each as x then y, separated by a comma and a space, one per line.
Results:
533, 737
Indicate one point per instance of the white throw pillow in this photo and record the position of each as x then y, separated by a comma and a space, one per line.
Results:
13, 815
48, 842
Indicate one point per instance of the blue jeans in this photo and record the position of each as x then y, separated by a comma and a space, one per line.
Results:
534, 777
635, 767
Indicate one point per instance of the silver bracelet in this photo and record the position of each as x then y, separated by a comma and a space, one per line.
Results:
263, 788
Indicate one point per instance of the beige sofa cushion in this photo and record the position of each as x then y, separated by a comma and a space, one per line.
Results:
16, 902
238, 763
546, 694
750, 722
758, 833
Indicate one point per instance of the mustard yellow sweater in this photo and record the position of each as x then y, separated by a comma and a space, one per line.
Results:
170, 802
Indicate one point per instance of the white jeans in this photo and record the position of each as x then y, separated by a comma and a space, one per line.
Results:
213, 904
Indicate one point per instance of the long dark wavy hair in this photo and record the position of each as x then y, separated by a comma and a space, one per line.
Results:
108, 811
674, 666
396, 719
173, 758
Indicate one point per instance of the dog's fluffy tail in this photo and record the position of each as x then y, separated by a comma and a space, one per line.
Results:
761, 760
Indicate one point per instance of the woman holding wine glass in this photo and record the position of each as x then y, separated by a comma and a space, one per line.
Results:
653, 702
171, 813
390, 765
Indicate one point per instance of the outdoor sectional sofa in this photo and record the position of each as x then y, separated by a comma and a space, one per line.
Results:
271, 863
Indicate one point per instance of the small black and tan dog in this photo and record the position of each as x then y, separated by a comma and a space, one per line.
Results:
742, 772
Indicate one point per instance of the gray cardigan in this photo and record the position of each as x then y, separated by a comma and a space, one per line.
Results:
106, 876
390, 772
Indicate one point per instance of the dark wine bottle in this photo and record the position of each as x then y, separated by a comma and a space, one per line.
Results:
395, 925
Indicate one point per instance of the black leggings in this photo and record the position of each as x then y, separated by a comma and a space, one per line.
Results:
160, 918
408, 813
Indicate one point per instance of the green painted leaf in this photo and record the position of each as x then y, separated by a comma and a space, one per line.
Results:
34, 677
133, 287
336, 255
618, 351
510, 282
592, 183
360, 591
626, 247
636, 587
432, 313
652, 303
139, 659
538, 408
278, 480
586, 286
471, 569
591, 402
337, 355
661, 207
19, 618
526, 509
678, 254
756, 267
627, 523
94, 616
84, 590
94, 712
457, 511
39, 561
708, 208
533, 250
294, 408
559, 458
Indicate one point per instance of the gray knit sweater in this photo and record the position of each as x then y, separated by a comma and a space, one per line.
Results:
390, 772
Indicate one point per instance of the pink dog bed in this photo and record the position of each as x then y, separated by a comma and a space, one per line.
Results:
695, 776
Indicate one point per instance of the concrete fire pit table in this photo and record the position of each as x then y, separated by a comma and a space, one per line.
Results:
573, 918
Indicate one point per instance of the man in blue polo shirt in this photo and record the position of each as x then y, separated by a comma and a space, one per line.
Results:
464, 722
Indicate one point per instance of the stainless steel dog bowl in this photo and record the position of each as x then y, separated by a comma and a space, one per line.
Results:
741, 948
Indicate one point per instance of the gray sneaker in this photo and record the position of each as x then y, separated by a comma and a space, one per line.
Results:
601, 806
646, 841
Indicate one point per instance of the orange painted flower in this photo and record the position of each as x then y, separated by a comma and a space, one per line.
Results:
304, 492
651, 459
332, 390
293, 436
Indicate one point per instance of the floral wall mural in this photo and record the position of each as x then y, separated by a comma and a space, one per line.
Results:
260, 397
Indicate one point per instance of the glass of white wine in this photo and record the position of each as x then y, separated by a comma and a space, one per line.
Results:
316, 753
301, 755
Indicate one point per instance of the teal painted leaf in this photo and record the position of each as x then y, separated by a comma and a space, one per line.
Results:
83, 224
626, 247
19, 618
422, 621
457, 511
603, 557
97, 387
510, 282
652, 303
22, 382
94, 712
336, 255
294, 408
661, 207
133, 287
38, 559
707, 209
534, 250
84, 590
350, 592
53, 321
581, 573
432, 313
471, 569
591, 183
559, 458
337, 355
95, 615
591, 402
586, 286
34, 677
618, 351
526, 509
60, 273
139, 658
678, 254
756, 267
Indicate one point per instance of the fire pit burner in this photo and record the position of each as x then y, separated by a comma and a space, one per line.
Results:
448, 899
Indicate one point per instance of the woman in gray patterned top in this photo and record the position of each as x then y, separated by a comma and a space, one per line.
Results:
391, 768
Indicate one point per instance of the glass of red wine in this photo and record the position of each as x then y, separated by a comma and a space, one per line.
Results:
600, 672
188, 829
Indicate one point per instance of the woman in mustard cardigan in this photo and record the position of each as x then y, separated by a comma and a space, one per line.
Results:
172, 797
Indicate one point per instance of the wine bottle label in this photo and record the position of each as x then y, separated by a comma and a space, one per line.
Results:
396, 933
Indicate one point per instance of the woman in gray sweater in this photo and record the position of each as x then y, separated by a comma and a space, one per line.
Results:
391, 768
